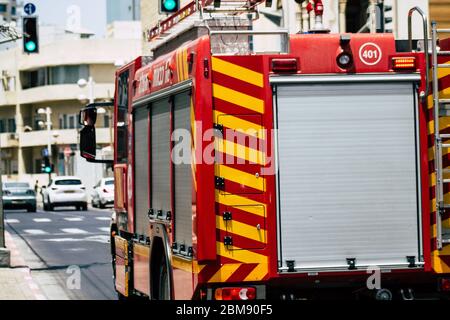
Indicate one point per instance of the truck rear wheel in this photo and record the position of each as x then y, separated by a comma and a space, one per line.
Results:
164, 286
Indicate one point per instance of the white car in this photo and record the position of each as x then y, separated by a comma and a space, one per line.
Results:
65, 191
103, 193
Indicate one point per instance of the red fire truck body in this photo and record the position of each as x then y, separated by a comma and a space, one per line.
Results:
321, 172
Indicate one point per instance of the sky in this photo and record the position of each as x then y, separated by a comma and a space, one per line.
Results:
93, 13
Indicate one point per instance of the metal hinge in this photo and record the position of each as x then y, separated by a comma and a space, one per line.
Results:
218, 127
228, 241
220, 182
227, 216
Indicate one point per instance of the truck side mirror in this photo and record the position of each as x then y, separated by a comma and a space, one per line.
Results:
88, 116
88, 142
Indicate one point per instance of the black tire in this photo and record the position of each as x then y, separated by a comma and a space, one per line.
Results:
84, 207
101, 205
32, 209
164, 286
50, 207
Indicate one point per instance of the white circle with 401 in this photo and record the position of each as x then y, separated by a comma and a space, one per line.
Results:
370, 54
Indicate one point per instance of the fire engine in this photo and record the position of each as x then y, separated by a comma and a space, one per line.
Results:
254, 164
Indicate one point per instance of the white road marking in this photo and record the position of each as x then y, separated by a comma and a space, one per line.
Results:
74, 231
103, 218
42, 220
74, 219
99, 238
105, 229
12, 221
62, 240
35, 231
75, 249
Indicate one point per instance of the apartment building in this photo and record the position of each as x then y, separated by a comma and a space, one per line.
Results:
31, 83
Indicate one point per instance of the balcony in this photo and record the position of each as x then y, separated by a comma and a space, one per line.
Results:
9, 140
63, 92
60, 137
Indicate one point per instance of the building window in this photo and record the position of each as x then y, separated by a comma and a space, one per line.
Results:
2, 126
13, 11
3, 8
12, 125
106, 121
53, 76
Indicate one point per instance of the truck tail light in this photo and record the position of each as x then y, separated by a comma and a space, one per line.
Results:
284, 65
404, 63
236, 293
445, 285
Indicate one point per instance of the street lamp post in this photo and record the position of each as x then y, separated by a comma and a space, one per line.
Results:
90, 85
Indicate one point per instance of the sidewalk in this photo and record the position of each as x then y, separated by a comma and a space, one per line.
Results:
16, 282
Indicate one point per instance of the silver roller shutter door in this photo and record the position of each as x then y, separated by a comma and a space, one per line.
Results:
347, 162
183, 171
160, 173
141, 204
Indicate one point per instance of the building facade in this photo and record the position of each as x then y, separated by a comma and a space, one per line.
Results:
31, 83
9, 11
122, 10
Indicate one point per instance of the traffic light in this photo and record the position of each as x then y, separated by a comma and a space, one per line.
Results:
169, 6
30, 35
47, 167
381, 18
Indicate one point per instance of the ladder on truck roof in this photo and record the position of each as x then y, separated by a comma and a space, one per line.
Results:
194, 13
441, 107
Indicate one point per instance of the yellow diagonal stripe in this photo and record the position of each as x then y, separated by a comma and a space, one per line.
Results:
238, 98
245, 256
241, 229
225, 272
241, 203
239, 125
240, 177
239, 151
237, 72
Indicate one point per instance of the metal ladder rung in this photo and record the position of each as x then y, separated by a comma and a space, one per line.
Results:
444, 101
445, 136
443, 53
445, 206
445, 241
443, 65
443, 30
446, 180
445, 145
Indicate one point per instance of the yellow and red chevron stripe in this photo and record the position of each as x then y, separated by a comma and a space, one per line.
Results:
239, 104
440, 258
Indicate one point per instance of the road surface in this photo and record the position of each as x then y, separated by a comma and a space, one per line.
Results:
59, 245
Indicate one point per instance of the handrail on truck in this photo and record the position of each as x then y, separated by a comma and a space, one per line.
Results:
425, 39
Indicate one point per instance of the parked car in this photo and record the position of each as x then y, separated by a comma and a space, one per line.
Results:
103, 193
18, 195
63, 192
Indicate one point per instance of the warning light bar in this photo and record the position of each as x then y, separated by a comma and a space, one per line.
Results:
285, 65
403, 63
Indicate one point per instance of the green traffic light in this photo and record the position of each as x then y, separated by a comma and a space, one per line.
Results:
30, 46
48, 170
169, 5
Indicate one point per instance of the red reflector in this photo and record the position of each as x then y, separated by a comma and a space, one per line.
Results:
445, 285
403, 63
235, 293
284, 65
